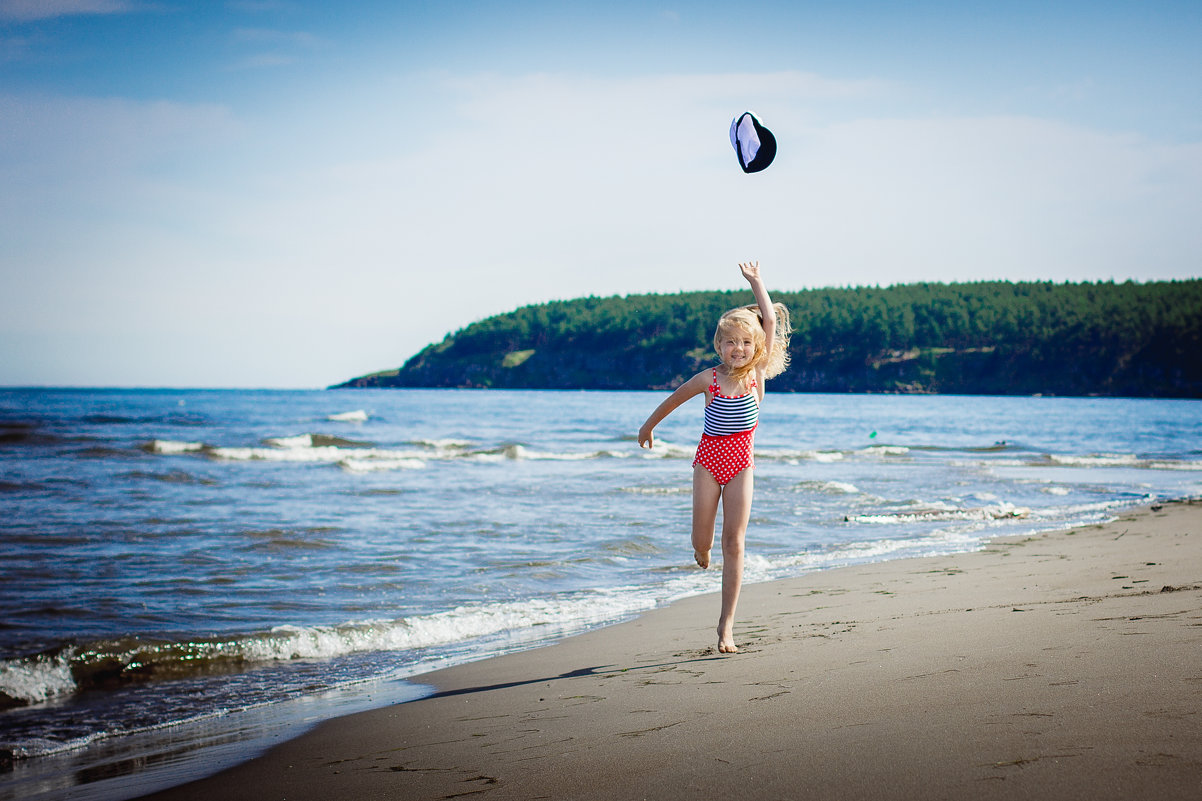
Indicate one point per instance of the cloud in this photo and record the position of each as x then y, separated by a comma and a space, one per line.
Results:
895, 200
343, 233
260, 35
30, 10
57, 138
258, 6
283, 44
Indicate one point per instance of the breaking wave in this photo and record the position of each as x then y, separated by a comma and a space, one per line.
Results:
105, 664
364, 457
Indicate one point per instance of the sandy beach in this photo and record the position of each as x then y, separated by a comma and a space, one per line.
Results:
1059, 666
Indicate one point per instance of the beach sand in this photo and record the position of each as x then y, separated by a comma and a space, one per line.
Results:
1059, 666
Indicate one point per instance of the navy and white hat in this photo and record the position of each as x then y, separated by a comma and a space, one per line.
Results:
755, 144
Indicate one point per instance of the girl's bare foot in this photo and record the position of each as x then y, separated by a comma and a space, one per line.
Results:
726, 641
703, 559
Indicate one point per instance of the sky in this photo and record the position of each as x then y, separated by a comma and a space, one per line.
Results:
290, 193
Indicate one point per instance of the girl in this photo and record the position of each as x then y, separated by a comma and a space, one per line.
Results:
753, 343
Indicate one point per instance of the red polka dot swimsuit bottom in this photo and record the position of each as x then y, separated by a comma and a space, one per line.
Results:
730, 421
726, 457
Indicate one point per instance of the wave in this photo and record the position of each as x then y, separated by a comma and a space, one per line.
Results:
1173, 465
170, 477
1096, 460
21, 432
944, 542
357, 416
677, 490
1001, 511
443, 444
668, 450
170, 446
315, 441
521, 452
114, 663
363, 457
886, 450
20, 486
1117, 460
829, 487
794, 456
34, 679
378, 464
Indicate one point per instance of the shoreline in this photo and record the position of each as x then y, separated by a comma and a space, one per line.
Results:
1057, 665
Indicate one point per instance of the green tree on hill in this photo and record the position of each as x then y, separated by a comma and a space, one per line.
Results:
991, 337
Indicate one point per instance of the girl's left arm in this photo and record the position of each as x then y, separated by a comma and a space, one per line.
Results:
694, 386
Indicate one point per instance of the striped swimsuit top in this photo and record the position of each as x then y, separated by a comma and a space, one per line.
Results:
726, 415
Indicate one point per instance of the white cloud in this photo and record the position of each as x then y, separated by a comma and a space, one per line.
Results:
257, 35
340, 237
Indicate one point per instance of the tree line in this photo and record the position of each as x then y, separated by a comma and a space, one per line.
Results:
989, 337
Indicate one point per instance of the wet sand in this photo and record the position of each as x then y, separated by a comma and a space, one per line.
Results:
1060, 666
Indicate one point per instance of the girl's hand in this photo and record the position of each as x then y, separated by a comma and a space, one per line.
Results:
750, 270
646, 437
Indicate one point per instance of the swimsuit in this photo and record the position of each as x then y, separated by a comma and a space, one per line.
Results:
730, 421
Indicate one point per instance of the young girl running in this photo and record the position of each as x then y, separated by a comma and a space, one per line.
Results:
753, 342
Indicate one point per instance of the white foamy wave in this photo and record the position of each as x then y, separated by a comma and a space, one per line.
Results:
681, 490
793, 456
174, 446
1002, 511
326, 453
997, 463
299, 441
886, 450
1167, 465
1055, 490
357, 416
35, 679
444, 444
426, 631
1097, 460
522, 452
830, 487
380, 463
668, 450
353, 460
874, 551
1094, 511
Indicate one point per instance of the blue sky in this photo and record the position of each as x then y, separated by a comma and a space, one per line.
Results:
284, 193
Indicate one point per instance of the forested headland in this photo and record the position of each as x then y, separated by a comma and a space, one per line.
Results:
996, 337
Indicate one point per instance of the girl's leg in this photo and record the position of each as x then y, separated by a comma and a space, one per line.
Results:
705, 510
736, 511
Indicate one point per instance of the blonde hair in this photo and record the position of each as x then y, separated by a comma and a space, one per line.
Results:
748, 320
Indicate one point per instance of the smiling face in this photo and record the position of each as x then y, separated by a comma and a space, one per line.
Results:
739, 340
737, 348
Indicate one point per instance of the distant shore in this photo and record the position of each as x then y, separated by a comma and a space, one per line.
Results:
979, 338
1058, 666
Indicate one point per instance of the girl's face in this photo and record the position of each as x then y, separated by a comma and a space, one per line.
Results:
736, 347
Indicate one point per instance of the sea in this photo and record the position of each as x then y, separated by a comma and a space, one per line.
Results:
189, 576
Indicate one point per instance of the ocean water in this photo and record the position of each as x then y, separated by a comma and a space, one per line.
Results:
185, 572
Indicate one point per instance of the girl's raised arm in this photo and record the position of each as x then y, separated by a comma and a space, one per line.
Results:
751, 271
